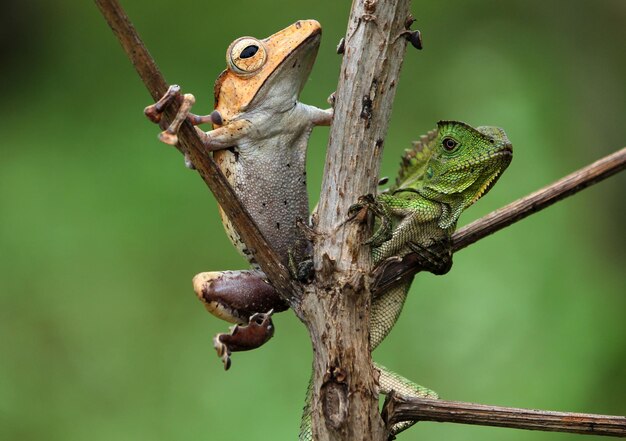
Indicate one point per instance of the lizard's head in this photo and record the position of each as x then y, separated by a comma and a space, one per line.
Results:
464, 165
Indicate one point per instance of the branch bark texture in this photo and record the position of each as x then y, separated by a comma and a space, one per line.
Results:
336, 307
398, 409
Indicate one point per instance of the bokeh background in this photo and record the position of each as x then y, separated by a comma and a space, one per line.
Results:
102, 228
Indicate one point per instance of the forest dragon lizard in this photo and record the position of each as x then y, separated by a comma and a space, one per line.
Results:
444, 173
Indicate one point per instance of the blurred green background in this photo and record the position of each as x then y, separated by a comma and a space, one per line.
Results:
102, 228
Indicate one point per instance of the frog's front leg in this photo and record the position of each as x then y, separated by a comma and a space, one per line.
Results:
317, 116
239, 297
217, 139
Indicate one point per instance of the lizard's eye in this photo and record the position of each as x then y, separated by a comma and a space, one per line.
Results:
246, 55
449, 144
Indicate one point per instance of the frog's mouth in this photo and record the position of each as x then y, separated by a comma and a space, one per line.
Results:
284, 85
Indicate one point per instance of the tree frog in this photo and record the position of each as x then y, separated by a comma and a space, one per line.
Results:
259, 140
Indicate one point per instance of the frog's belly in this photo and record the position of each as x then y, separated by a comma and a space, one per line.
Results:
274, 193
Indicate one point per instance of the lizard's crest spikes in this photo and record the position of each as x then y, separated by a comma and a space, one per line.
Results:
414, 160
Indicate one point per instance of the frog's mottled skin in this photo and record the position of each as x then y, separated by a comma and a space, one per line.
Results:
266, 162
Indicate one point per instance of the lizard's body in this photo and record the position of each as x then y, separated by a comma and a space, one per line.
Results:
432, 189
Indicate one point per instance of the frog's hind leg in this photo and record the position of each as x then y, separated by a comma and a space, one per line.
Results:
241, 297
234, 296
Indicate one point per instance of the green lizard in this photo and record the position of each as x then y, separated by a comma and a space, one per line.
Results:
444, 173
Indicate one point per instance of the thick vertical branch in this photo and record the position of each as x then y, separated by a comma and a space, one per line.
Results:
336, 307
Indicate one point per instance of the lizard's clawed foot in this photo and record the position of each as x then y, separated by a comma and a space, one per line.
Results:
302, 271
306, 271
436, 258
385, 230
244, 338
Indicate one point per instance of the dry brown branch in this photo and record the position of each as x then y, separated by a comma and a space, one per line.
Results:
398, 409
334, 308
515, 211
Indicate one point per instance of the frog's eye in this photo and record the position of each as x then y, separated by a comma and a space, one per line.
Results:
246, 55
449, 144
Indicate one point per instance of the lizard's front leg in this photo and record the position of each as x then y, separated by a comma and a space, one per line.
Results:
381, 212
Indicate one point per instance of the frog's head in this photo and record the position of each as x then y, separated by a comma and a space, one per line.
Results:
267, 73
465, 164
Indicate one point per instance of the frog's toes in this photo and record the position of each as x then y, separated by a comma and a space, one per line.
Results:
154, 112
245, 338
222, 350
168, 138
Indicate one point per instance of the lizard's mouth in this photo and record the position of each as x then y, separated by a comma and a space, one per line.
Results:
503, 158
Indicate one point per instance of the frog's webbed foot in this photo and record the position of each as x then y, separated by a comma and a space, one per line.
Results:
155, 111
385, 230
244, 338
435, 258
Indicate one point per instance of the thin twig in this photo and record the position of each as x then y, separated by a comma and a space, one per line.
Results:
515, 211
191, 144
398, 409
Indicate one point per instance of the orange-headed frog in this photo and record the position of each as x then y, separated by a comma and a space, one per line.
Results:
259, 140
